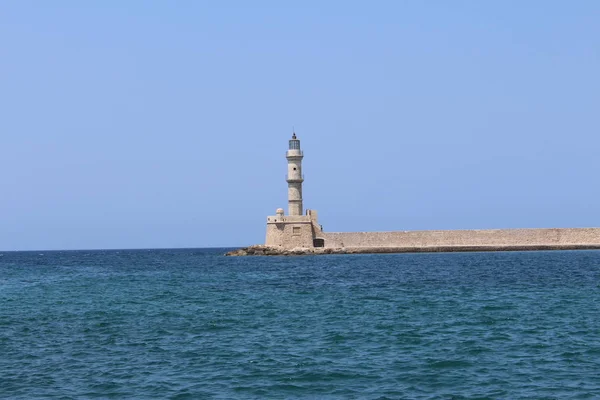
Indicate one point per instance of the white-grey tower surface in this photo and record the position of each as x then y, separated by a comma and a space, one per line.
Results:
295, 178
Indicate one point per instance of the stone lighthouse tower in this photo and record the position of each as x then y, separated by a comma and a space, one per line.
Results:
295, 229
294, 177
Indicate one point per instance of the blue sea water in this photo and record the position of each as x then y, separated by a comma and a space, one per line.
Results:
193, 324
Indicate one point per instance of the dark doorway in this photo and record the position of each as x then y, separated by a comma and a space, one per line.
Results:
319, 242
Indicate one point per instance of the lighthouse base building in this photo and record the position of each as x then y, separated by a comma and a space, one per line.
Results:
295, 230
291, 231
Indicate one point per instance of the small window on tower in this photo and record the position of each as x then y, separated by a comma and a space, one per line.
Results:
294, 168
296, 230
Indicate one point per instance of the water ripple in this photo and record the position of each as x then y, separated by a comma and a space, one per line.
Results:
188, 324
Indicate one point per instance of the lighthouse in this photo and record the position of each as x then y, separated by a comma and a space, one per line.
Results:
295, 229
294, 176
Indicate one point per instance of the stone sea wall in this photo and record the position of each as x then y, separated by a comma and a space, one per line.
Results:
451, 238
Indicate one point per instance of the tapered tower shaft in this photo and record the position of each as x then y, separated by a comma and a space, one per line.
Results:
294, 177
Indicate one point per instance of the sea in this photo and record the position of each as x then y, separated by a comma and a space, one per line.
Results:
194, 324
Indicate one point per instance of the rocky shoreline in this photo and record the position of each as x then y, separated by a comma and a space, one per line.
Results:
261, 250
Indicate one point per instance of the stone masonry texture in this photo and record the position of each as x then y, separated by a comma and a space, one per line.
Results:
492, 237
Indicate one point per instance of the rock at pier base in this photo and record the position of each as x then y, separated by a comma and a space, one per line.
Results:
261, 250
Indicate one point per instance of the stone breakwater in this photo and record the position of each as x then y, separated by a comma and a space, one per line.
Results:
261, 250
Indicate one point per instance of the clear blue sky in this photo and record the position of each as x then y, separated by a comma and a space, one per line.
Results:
140, 124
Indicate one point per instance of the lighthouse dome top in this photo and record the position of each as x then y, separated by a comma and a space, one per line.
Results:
294, 142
